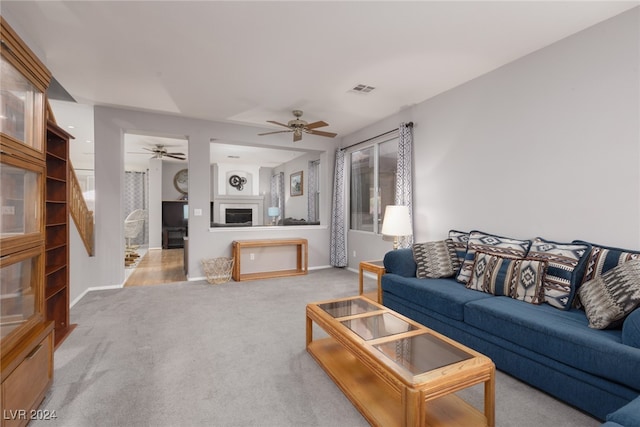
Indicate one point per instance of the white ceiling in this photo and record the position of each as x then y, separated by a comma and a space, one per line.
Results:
249, 62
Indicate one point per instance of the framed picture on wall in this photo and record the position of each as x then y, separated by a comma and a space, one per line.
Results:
296, 184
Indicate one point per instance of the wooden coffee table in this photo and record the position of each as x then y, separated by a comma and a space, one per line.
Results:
395, 371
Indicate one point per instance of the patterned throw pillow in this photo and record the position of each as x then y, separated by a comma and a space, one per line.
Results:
459, 239
495, 245
519, 278
565, 266
603, 258
435, 259
609, 298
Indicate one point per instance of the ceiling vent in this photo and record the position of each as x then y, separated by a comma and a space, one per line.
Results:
362, 88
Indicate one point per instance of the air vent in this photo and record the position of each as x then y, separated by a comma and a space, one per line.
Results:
362, 88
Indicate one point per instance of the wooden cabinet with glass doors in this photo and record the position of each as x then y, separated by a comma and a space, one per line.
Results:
26, 337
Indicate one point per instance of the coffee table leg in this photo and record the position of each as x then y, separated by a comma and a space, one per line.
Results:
414, 408
490, 399
309, 331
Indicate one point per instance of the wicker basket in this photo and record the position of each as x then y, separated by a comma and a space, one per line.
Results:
218, 270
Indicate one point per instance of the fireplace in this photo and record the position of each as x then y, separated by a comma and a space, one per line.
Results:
252, 205
238, 216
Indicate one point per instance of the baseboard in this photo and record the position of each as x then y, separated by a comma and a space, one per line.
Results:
320, 267
97, 288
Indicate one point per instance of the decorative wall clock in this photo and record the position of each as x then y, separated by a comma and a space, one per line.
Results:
181, 181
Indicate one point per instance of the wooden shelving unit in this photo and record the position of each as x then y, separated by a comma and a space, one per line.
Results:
57, 231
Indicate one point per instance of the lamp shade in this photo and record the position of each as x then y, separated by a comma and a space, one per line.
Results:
273, 211
396, 221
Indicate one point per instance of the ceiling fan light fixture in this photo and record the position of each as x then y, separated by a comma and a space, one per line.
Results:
299, 126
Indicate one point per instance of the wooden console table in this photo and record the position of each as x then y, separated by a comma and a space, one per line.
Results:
302, 255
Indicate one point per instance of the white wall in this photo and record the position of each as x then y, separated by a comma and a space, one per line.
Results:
169, 171
155, 177
548, 145
297, 207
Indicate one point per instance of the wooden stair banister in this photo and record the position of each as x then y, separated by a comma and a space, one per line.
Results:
80, 213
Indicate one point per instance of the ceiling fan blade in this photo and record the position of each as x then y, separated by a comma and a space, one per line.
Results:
177, 154
277, 123
297, 137
176, 157
278, 131
317, 124
149, 149
322, 133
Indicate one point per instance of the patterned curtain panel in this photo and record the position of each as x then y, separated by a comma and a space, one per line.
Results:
338, 249
135, 197
313, 191
277, 192
404, 182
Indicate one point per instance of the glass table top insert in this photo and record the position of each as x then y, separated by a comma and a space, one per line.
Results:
422, 353
348, 307
377, 326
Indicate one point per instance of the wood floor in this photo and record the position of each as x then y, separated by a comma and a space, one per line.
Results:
158, 266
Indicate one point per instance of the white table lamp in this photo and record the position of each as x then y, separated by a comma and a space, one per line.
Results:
273, 212
396, 223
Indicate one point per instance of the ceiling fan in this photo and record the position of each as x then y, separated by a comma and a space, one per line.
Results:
159, 151
299, 126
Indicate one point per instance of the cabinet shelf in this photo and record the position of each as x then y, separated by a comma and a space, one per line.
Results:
55, 155
50, 269
57, 232
53, 290
56, 224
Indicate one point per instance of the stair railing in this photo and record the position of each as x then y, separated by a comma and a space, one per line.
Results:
80, 213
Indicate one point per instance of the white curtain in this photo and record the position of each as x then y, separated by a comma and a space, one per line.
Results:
338, 243
404, 182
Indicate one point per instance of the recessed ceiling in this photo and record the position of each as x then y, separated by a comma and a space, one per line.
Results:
249, 62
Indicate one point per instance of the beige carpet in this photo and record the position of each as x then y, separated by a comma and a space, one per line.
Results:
194, 354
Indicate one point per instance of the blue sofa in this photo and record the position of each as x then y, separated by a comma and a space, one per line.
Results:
597, 371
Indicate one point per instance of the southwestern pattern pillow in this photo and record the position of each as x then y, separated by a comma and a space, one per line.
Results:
459, 239
518, 278
609, 298
603, 258
565, 266
495, 245
435, 259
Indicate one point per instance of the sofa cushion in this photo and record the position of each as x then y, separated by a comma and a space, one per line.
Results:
561, 335
518, 278
565, 267
609, 298
603, 258
435, 259
400, 262
444, 296
492, 244
628, 415
631, 329
460, 239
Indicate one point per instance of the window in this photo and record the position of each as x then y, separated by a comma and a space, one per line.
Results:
373, 184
